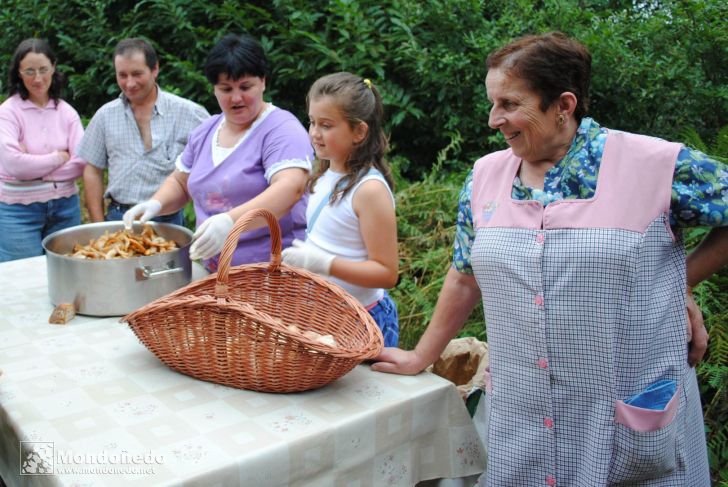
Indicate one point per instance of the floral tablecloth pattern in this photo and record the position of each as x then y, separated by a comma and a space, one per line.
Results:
112, 414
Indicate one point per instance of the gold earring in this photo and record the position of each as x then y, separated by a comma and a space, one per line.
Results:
562, 120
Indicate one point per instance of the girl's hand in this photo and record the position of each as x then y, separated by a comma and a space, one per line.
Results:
65, 156
308, 257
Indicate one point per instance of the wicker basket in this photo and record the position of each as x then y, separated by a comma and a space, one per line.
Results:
245, 326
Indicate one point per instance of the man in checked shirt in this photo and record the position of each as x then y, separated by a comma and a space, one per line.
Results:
137, 136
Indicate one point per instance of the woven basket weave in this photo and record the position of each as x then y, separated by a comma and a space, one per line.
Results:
244, 326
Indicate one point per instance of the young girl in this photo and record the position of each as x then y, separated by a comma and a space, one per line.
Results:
352, 229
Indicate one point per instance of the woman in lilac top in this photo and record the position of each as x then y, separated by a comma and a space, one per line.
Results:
39, 133
253, 155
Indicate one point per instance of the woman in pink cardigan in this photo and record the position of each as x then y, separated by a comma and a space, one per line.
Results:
39, 133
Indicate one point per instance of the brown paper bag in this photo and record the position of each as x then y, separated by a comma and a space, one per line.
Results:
463, 363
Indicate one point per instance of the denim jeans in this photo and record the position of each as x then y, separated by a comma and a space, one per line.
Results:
115, 211
386, 317
23, 227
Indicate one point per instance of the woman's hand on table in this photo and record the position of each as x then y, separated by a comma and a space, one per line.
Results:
397, 361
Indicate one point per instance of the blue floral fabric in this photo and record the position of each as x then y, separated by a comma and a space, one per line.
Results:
699, 188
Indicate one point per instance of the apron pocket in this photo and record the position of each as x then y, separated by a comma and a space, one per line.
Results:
644, 442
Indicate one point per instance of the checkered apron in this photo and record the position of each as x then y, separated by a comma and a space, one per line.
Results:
585, 306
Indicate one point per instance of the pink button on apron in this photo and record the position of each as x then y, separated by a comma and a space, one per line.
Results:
548, 422
539, 300
540, 238
550, 480
543, 363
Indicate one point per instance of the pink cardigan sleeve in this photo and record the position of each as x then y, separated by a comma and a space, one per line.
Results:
74, 167
15, 162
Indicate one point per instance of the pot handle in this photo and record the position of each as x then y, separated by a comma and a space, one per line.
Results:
146, 272
226, 255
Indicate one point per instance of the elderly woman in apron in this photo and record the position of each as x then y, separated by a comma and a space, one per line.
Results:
571, 237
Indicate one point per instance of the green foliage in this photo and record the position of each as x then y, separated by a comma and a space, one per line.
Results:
426, 212
658, 66
664, 75
190, 217
712, 296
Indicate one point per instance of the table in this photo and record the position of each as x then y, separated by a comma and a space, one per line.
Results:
102, 410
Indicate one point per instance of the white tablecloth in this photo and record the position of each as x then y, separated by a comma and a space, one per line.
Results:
100, 409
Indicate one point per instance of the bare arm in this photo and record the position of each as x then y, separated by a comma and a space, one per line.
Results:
378, 225
459, 295
173, 192
286, 188
93, 184
707, 258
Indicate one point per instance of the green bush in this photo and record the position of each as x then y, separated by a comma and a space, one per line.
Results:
658, 66
426, 214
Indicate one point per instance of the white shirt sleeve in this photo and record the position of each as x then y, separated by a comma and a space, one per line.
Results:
287, 164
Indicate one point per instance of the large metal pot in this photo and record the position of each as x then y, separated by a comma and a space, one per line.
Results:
115, 286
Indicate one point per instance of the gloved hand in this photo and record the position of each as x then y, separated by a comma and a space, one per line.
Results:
309, 257
210, 237
147, 209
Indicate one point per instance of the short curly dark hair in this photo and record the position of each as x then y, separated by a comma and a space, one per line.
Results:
550, 64
236, 56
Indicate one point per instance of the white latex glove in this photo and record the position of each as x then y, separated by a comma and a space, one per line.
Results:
145, 211
210, 237
309, 257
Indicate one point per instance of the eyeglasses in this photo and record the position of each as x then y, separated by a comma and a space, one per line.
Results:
30, 73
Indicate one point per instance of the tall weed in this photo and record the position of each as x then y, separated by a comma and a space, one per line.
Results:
428, 58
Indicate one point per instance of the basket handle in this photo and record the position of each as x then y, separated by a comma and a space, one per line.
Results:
240, 226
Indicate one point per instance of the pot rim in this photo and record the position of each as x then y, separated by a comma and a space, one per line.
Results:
112, 224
